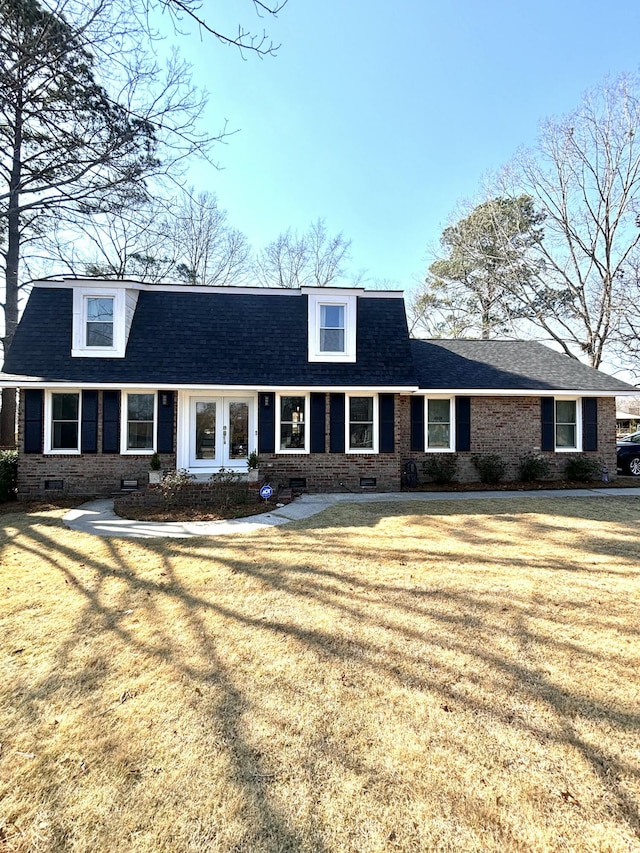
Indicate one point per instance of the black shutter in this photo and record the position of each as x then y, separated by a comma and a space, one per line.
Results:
317, 418
336, 423
548, 409
589, 423
165, 421
111, 422
463, 423
386, 411
266, 422
89, 428
33, 419
417, 423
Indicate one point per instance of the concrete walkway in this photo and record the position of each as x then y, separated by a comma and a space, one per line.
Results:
98, 517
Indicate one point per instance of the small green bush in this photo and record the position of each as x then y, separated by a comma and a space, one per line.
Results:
490, 467
441, 468
8, 474
583, 469
534, 467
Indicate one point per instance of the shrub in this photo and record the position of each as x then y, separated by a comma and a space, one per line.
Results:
490, 467
583, 469
228, 488
441, 468
8, 474
534, 467
173, 484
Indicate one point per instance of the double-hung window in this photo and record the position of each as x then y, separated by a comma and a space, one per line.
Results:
332, 327
440, 424
361, 436
99, 323
567, 425
293, 424
63, 419
139, 422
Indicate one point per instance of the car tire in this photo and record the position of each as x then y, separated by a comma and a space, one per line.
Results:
633, 466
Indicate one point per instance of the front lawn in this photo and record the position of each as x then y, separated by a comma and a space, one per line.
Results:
381, 677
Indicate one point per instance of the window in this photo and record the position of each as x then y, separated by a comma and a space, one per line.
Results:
99, 326
63, 417
139, 423
361, 426
332, 327
440, 425
567, 425
99, 322
293, 426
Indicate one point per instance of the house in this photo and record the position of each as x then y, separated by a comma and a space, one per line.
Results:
324, 383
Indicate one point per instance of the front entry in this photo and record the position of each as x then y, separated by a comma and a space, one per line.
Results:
220, 430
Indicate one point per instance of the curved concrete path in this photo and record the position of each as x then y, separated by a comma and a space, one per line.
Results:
98, 517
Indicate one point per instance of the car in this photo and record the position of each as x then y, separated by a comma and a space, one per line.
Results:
628, 452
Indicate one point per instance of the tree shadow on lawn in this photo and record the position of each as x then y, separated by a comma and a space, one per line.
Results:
211, 609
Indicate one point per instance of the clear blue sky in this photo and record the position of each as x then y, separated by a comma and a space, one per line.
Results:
381, 116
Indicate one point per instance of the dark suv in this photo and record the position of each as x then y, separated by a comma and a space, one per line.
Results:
628, 450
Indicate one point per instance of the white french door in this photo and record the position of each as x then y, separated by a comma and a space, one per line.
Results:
220, 430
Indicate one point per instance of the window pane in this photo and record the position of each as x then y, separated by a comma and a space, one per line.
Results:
238, 430
292, 436
439, 411
65, 435
360, 435
140, 407
205, 430
292, 409
565, 435
438, 435
99, 334
332, 316
361, 408
332, 340
565, 411
65, 407
100, 309
140, 435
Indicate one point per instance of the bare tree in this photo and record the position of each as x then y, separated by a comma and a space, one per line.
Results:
207, 249
79, 137
584, 177
313, 258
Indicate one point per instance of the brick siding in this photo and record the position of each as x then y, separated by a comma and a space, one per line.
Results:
506, 426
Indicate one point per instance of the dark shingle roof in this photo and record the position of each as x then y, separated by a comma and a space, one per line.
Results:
504, 365
192, 337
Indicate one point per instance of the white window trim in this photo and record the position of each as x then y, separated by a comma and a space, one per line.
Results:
293, 451
578, 447
48, 422
79, 348
124, 424
359, 451
452, 424
349, 303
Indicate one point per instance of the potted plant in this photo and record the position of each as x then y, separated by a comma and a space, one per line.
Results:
252, 464
155, 465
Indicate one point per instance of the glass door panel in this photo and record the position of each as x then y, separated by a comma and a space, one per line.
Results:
205, 426
238, 429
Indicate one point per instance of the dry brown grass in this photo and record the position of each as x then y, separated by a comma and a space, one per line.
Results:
444, 676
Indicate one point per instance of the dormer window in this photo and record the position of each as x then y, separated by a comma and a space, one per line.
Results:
99, 322
332, 327
332, 331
